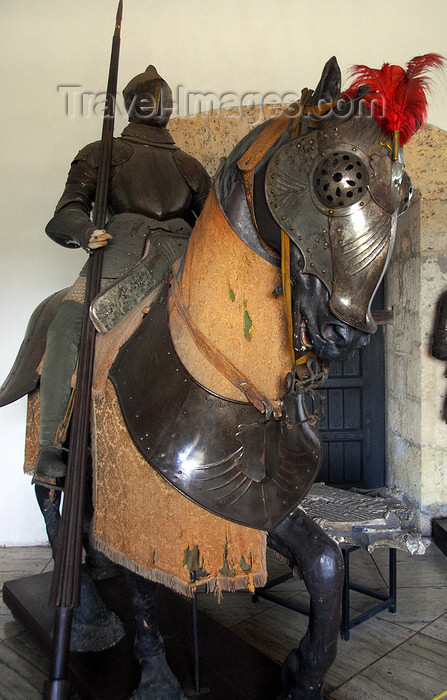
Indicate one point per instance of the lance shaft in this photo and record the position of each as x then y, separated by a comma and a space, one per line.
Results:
66, 581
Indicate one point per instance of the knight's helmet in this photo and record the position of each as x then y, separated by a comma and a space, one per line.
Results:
148, 98
337, 191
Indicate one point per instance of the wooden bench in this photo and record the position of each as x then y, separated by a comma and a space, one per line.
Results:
358, 521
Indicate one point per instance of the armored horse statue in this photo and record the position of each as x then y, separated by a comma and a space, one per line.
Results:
204, 436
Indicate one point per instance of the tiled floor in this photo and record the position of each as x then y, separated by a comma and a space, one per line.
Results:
402, 655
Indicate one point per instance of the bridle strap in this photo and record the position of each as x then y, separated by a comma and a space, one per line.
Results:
254, 154
247, 164
271, 133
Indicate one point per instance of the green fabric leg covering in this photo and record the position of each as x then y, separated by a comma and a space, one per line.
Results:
59, 363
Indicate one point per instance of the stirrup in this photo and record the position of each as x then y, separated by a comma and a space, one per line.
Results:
50, 464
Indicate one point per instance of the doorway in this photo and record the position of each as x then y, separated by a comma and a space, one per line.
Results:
353, 427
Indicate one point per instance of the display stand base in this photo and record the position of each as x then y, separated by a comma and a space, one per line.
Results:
229, 667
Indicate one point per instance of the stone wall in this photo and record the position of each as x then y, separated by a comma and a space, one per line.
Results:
415, 385
211, 137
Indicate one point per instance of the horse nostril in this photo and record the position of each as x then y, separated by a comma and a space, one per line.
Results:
337, 333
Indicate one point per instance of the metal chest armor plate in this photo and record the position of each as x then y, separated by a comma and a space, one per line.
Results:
150, 183
333, 193
218, 452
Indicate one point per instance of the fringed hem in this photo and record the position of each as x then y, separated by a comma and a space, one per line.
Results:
213, 584
263, 574
282, 558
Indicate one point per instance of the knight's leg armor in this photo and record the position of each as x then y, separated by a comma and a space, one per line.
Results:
59, 363
94, 626
321, 564
157, 679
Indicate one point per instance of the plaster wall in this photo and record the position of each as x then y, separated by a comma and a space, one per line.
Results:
201, 46
417, 435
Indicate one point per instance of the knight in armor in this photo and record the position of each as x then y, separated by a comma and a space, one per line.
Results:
154, 187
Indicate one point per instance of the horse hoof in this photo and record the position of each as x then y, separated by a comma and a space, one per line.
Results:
94, 627
101, 634
299, 680
157, 681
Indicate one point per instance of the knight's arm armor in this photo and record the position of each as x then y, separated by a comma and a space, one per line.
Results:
197, 178
71, 225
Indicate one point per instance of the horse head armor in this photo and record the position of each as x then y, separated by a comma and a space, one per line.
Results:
326, 175
337, 194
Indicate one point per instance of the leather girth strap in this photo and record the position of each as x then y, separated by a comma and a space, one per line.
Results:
220, 362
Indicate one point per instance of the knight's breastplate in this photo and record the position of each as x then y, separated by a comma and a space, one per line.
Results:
150, 183
220, 453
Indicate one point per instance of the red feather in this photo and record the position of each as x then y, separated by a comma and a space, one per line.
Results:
398, 97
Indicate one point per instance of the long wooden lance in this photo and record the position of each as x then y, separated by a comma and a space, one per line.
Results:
66, 581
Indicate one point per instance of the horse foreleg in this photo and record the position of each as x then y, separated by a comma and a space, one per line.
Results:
94, 626
157, 679
321, 564
49, 504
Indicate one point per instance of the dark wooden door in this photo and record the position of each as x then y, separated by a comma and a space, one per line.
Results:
353, 428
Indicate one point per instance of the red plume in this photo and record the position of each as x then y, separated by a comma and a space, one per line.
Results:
398, 97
